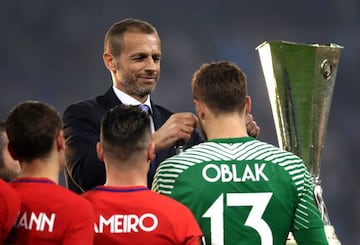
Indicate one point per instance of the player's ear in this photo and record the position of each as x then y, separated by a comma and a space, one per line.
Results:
60, 140
151, 151
100, 151
12, 152
247, 105
199, 108
109, 61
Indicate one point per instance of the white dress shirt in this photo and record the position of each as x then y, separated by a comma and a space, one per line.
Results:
128, 100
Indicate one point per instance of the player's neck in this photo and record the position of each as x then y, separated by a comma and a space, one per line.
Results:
39, 168
226, 127
125, 178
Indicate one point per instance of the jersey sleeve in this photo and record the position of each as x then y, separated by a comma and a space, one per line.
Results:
9, 209
187, 229
315, 236
308, 227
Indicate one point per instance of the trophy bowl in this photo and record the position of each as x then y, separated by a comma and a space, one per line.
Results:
300, 80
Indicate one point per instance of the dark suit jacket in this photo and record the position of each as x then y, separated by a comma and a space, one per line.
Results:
84, 170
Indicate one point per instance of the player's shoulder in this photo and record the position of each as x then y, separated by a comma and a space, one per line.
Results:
72, 208
275, 151
284, 161
166, 201
8, 193
90, 195
185, 161
182, 162
69, 196
5, 187
199, 153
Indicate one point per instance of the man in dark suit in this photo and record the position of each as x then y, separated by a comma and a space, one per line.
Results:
132, 54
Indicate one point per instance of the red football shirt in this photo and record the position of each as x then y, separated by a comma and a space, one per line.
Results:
9, 208
136, 215
51, 214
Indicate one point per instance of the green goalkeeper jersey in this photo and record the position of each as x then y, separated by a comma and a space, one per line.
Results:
244, 191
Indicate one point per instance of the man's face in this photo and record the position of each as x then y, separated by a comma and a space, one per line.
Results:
138, 66
11, 168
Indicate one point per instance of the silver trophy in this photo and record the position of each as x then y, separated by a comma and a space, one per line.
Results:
300, 80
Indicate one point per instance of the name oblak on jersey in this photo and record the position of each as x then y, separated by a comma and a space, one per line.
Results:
232, 173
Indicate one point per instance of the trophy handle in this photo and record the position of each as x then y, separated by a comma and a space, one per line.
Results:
318, 195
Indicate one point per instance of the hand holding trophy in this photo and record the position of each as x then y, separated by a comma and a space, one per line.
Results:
300, 80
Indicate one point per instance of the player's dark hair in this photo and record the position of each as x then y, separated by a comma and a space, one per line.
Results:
221, 86
125, 130
31, 128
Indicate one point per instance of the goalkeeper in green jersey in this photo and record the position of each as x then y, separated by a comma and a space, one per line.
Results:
241, 190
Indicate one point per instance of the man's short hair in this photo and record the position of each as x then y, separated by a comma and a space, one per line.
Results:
114, 37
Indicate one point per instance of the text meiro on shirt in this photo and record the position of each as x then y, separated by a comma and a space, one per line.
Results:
231, 173
126, 223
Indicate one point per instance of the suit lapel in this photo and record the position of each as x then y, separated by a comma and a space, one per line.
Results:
159, 119
108, 100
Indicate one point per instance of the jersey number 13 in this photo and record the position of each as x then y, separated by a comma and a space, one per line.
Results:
258, 203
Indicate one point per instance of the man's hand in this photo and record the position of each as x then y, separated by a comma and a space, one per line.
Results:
178, 127
252, 128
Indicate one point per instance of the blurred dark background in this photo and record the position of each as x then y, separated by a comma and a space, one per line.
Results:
52, 51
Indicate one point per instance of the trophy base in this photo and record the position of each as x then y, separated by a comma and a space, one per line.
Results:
329, 232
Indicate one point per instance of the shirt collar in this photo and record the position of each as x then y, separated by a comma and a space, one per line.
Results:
128, 100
